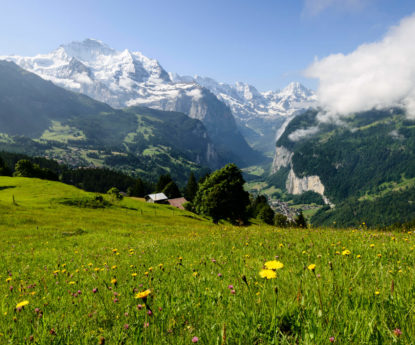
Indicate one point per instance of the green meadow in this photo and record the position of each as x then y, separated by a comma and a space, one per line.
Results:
75, 269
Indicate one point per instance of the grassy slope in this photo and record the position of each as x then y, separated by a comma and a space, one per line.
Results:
41, 246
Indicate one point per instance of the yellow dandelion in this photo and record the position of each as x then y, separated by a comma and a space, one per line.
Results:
372, 245
146, 273
379, 255
8, 279
134, 274
358, 256
143, 294
377, 293
114, 267
22, 304
269, 274
274, 265
71, 283
194, 274
114, 281
346, 252
312, 267
114, 250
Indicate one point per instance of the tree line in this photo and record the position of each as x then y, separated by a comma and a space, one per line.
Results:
218, 195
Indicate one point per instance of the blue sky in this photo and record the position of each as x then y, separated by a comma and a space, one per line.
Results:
267, 43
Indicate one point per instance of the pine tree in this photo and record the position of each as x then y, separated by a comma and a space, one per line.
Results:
191, 188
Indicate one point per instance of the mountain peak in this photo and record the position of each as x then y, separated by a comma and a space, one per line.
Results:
297, 89
87, 49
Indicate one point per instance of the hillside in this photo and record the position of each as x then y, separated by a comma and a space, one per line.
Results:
79, 269
39, 118
365, 167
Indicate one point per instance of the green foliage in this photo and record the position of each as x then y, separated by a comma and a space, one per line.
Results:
4, 169
300, 221
191, 188
266, 214
171, 190
281, 221
260, 209
25, 168
163, 181
221, 195
391, 208
114, 193
139, 189
86, 202
308, 197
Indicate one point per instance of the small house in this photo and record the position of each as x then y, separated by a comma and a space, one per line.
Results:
158, 198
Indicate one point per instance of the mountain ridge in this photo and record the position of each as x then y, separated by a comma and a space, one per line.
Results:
123, 79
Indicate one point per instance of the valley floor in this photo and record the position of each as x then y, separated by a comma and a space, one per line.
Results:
73, 274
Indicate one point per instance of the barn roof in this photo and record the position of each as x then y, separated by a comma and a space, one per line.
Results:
178, 202
156, 197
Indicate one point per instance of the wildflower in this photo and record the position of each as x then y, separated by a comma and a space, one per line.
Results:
346, 252
233, 292
372, 245
331, 339
146, 324
312, 267
114, 281
150, 313
114, 250
94, 290
274, 265
269, 274
230, 287
22, 304
195, 339
115, 300
194, 274
220, 275
71, 283
139, 307
134, 274
377, 293
126, 326
144, 294
8, 279
358, 256
379, 255
397, 332
114, 267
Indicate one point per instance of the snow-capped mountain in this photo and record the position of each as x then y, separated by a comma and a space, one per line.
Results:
259, 114
127, 78
246, 102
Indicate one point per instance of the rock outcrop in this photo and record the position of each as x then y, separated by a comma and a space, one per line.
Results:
294, 184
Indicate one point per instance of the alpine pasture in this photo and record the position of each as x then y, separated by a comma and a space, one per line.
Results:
80, 269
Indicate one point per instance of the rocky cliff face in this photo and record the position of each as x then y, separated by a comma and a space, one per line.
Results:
294, 184
282, 159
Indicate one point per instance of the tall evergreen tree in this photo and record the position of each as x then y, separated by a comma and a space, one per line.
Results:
191, 188
171, 190
163, 181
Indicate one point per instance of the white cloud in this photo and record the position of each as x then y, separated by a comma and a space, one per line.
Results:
315, 7
303, 133
375, 75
